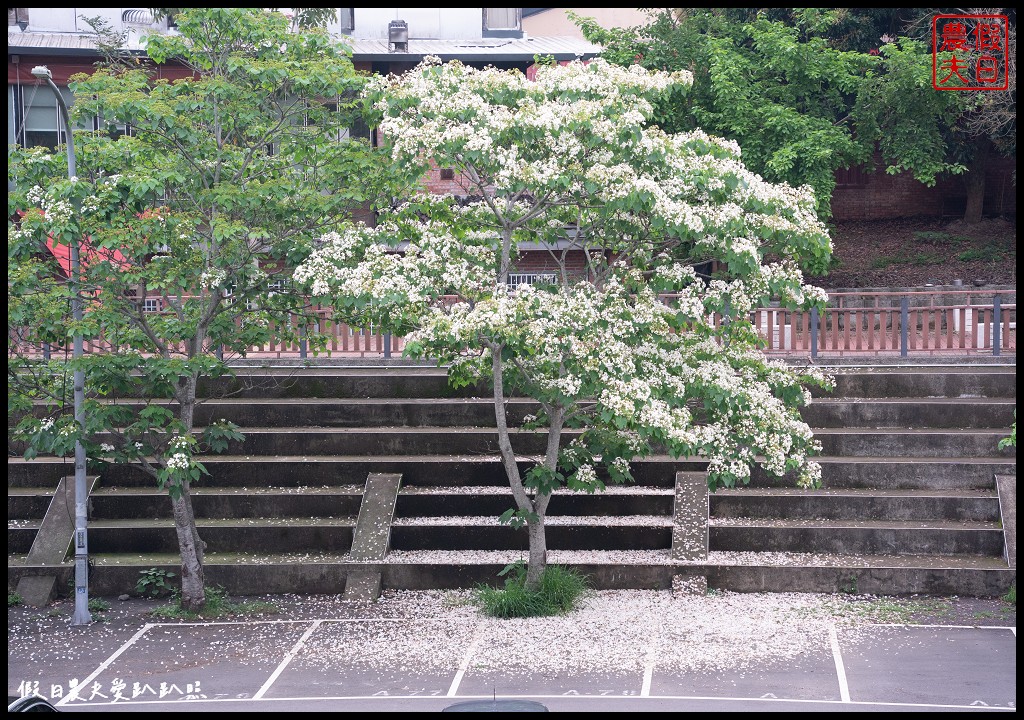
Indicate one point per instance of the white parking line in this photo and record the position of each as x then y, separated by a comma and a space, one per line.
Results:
844, 688
73, 693
649, 662
287, 659
464, 665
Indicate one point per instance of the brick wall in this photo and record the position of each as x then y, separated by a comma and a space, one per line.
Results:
878, 196
540, 261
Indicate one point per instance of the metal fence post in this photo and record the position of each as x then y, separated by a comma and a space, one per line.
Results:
904, 319
46, 351
814, 333
303, 349
997, 312
387, 346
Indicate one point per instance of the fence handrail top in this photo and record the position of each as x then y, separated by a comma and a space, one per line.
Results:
901, 293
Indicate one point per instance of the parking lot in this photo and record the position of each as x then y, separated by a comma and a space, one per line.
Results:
659, 654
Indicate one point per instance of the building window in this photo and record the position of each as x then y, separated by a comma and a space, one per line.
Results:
358, 128
152, 305
516, 279
447, 174
346, 16
34, 118
503, 22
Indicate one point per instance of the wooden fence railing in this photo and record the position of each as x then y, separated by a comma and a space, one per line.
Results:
855, 324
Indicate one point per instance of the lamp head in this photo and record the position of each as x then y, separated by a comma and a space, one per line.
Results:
42, 72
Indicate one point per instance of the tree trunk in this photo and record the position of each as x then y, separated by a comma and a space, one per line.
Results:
538, 543
192, 547
538, 536
193, 582
975, 182
538, 554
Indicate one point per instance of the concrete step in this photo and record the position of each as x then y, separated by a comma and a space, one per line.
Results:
21, 533
967, 381
911, 442
906, 413
335, 534
219, 503
892, 505
129, 503
352, 382
224, 535
479, 412
292, 471
870, 537
468, 441
894, 473
410, 382
425, 502
318, 572
564, 532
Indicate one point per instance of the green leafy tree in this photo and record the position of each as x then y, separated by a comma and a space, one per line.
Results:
806, 91
189, 225
626, 354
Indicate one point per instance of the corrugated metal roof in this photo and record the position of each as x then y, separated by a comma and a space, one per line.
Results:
58, 43
487, 49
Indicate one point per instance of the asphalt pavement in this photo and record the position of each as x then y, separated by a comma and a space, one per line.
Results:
332, 657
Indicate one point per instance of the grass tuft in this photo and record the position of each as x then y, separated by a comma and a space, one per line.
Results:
218, 604
561, 590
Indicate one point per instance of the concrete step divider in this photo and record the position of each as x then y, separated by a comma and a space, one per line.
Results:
372, 535
52, 543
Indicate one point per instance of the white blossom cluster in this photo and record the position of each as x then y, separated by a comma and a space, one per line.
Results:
213, 278
57, 210
179, 453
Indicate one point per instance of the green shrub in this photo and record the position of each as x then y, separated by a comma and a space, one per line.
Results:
155, 583
13, 599
561, 590
98, 605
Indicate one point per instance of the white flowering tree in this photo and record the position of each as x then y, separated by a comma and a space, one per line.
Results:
628, 351
189, 225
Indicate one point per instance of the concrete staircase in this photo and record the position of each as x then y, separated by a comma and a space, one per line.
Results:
909, 503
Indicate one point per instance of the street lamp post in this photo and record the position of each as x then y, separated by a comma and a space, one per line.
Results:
82, 615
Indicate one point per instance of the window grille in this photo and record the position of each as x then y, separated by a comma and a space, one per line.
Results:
516, 279
152, 305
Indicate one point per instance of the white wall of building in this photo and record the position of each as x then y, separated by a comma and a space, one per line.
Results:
433, 23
